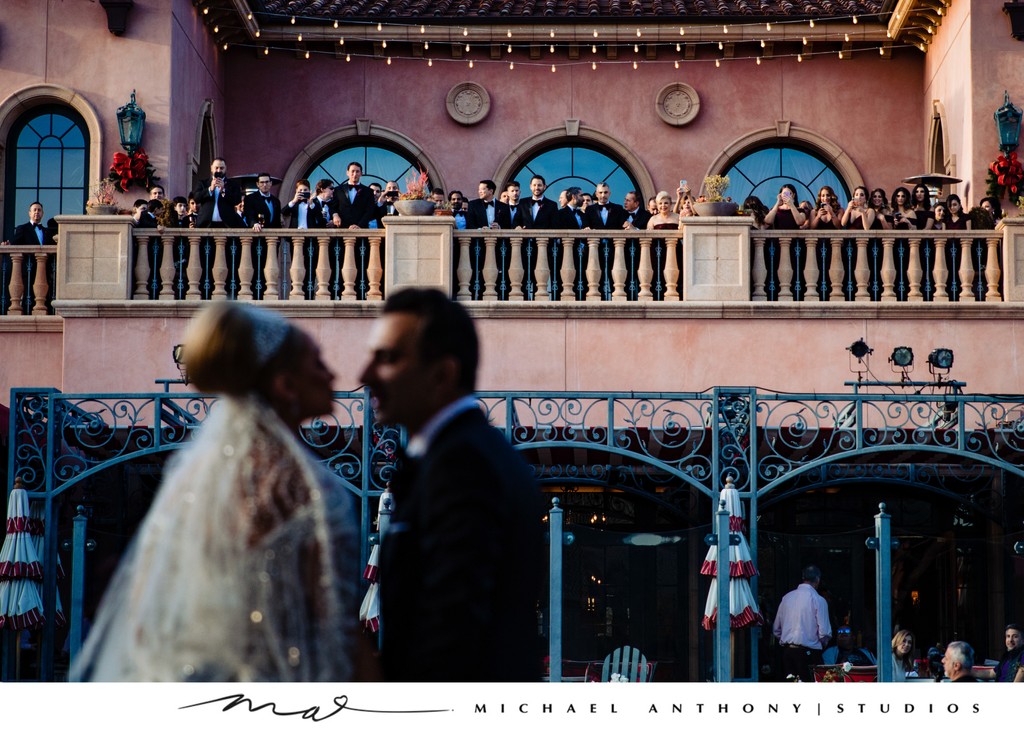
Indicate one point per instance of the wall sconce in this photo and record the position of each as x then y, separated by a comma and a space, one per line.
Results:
131, 121
178, 354
117, 14
1015, 10
1007, 120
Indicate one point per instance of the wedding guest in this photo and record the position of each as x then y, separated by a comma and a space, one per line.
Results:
956, 218
858, 215
217, 198
903, 216
941, 217
785, 214
827, 213
992, 205
902, 656
262, 208
665, 218
958, 662
298, 208
756, 209
879, 203
243, 570
921, 201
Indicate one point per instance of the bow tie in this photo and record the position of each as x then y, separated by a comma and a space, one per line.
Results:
602, 207
489, 203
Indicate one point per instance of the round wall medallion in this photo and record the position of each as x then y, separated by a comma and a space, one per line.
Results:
468, 103
677, 104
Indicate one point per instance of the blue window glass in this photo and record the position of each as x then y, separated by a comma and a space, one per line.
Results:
380, 165
576, 165
48, 162
762, 172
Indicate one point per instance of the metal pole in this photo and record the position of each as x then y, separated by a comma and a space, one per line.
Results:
77, 581
555, 592
882, 544
723, 629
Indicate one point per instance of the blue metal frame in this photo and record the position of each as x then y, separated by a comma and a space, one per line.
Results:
766, 443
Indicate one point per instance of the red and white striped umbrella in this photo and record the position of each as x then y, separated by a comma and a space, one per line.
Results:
743, 608
21, 604
369, 611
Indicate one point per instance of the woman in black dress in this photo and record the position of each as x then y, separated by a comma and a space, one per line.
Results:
922, 203
785, 214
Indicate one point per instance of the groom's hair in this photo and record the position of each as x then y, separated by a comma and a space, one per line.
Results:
446, 329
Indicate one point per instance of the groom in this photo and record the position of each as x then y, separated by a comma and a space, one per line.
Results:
461, 563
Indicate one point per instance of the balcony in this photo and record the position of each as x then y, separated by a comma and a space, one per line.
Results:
715, 260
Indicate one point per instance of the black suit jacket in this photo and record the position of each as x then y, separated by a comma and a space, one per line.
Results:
566, 219
462, 562
640, 217
546, 214
360, 211
25, 234
230, 197
256, 205
615, 220
476, 214
506, 219
320, 214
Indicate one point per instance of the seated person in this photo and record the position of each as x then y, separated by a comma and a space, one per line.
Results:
845, 650
958, 662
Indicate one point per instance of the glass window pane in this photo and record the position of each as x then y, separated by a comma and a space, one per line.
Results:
59, 125
49, 167
51, 204
569, 165
74, 168
29, 137
762, 172
379, 165
72, 202
26, 168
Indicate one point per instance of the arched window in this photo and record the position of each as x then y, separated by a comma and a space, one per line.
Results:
576, 165
762, 172
48, 162
380, 165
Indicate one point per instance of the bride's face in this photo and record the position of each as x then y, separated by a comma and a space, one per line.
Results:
310, 381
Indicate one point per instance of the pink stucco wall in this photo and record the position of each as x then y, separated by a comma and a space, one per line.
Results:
737, 99
602, 354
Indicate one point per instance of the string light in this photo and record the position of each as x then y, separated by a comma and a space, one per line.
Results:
717, 63
341, 41
762, 43
216, 29
855, 18
552, 33
348, 57
593, 65
335, 25
511, 65
300, 38
266, 51
638, 34
552, 68
840, 55
593, 49
721, 46
293, 18
881, 51
677, 63
430, 62
423, 28
225, 47
206, 11
307, 54
595, 34
384, 44
725, 29
380, 27
758, 60
389, 61
768, 27
805, 40
467, 48
846, 37
552, 48
679, 47
682, 31
635, 66
800, 57
257, 32
248, 16
510, 48
636, 48
426, 45
471, 63
509, 33
465, 31
812, 22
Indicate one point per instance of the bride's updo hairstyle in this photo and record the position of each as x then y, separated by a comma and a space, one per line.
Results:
236, 349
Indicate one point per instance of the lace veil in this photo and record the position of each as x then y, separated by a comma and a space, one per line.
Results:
244, 568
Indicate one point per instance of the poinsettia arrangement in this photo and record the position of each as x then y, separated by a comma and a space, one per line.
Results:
132, 170
1005, 176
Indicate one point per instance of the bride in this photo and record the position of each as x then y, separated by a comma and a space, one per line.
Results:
245, 567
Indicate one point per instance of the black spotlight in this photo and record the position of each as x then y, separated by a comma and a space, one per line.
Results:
902, 357
941, 359
859, 349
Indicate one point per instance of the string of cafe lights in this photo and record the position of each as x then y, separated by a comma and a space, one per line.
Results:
450, 35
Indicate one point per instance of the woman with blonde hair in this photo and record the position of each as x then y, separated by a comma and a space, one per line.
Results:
664, 218
902, 656
245, 567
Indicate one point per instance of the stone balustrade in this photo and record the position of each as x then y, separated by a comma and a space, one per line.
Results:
708, 260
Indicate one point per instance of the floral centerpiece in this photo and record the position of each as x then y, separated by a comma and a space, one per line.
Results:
416, 199
132, 170
102, 198
714, 201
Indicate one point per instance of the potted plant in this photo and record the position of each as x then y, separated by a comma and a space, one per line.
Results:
714, 202
416, 199
102, 198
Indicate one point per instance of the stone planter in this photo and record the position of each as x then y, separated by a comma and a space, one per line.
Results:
100, 209
716, 208
415, 207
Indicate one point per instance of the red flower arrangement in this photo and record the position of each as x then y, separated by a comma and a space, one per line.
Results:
1005, 176
132, 170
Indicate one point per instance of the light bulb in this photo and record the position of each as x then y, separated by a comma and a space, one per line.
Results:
840, 55
348, 57
307, 54
389, 61
593, 65
881, 52
471, 63
595, 34
800, 57
509, 33
677, 63
679, 47
257, 33
335, 25
721, 46
593, 49
511, 65
300, 38
717, 63
341, 41
510, 48
467, 48
855, 18
552, 34
768, 27
682, 31
762, 43
638, 34
384, 44
225, 47
552, 48
636, 48
758, 60
430, 62
465, 31
725, 29
846, 37
805, 40
426, 45
266, 51
812, 23
380, 27
216, 29
552, 68
635, 65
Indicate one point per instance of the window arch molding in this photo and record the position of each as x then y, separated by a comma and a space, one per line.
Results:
24, 100
785, 133
573, 132
363, 132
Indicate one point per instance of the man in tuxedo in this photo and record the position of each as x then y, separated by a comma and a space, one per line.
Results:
458, 203
32, 231
635, 216
462, 561
356, 204
571, 216
217, 198
386, 202
485, 212
540, 211
603, 214
156, 193
262, 208
323, 208
298, 208
141, 215
511, 215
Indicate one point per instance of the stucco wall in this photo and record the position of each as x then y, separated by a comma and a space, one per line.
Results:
824, 94
68, 44
558, 353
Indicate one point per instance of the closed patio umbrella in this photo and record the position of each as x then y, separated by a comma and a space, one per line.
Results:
21, 603
743, 608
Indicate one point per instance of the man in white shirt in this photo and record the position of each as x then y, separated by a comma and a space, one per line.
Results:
802, 627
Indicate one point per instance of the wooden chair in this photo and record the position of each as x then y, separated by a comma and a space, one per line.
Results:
628, 662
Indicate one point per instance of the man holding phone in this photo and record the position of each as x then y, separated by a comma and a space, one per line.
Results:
217, 198
298, 207
386, 202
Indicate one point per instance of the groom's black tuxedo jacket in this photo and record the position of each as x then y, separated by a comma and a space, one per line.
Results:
462, 562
